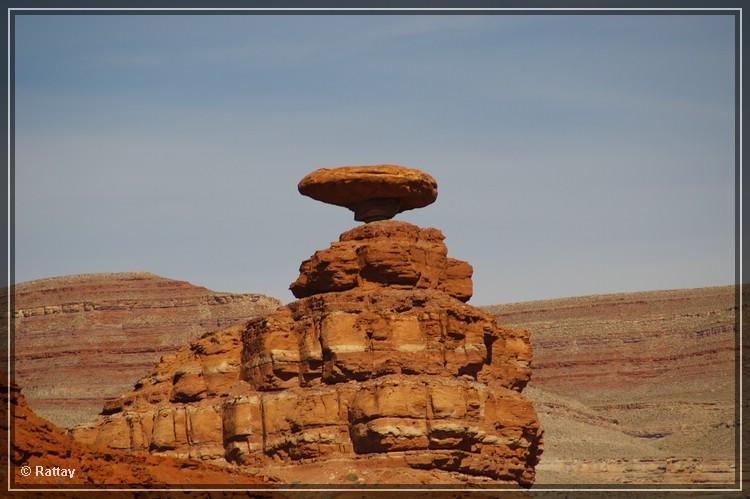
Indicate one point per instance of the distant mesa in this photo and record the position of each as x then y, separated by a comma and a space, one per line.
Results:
376, 192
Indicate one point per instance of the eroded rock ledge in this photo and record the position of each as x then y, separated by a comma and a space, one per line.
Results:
389, 254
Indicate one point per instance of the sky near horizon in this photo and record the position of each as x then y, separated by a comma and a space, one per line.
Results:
574, 154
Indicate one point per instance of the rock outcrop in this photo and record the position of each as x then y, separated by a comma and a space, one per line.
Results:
379, 366
395, 255
37, 442
376, 192
102, 332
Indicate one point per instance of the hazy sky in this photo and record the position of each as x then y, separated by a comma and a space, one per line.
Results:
574, 154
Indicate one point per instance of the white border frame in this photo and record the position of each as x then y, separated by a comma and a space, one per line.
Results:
383, 9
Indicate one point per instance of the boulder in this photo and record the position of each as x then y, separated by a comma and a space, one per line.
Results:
376, 192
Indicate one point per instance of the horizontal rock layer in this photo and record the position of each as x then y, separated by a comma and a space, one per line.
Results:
355, 335
389, 254
634, 387
101, 332
37, 442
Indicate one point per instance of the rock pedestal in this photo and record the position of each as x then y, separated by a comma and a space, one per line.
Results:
379, 365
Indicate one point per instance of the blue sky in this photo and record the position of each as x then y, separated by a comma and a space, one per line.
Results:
574, 154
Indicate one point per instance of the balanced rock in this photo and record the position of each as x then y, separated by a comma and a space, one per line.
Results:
379, 366
373, 193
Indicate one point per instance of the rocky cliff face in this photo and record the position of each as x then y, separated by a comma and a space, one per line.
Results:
380, 367
101, 332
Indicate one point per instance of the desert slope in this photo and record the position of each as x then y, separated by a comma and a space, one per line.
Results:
99, 333
633, 387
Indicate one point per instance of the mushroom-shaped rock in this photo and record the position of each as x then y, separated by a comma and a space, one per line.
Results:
373, 193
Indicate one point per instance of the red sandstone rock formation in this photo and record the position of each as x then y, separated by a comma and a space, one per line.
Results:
376, 192
395, 255
37, 442
379, 366
101, 332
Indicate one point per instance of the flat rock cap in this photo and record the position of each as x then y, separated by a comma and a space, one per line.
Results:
376, 192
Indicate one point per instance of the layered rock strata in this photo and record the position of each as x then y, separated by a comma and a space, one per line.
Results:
38, 443
102, 332
379, 365
635, 387
394, 255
